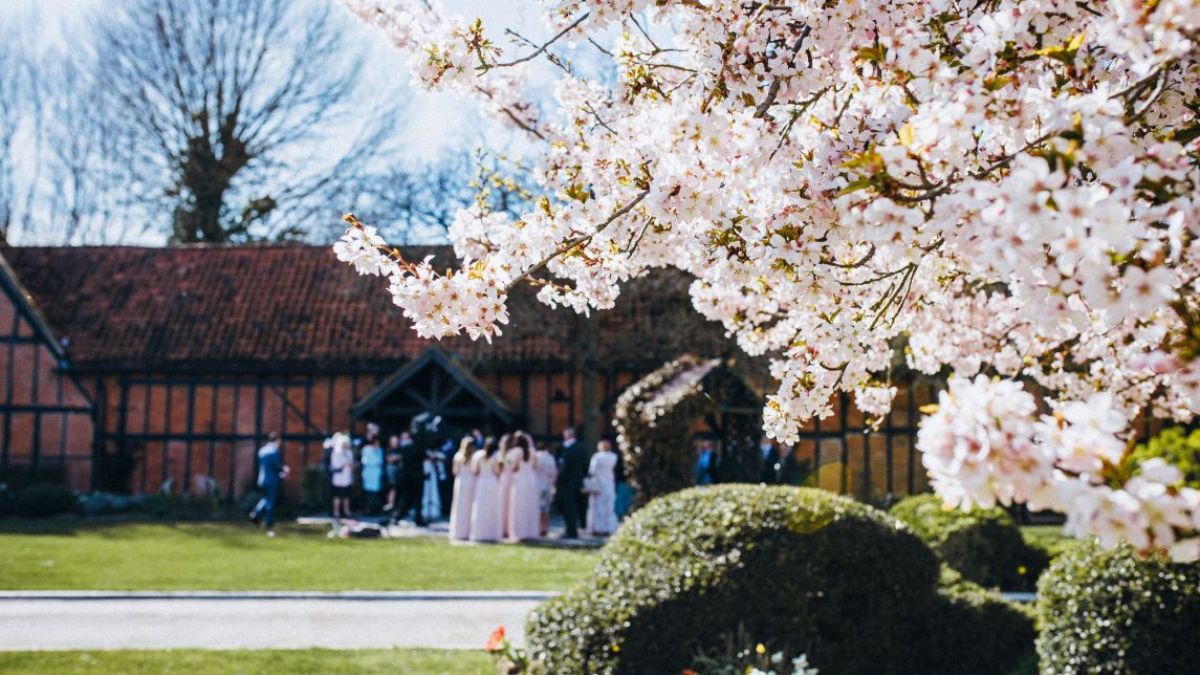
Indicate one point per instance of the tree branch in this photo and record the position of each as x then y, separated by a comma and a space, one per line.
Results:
546, 45
573, 243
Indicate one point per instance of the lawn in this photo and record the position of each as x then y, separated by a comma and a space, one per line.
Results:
196, 661
1049, 538
70, 555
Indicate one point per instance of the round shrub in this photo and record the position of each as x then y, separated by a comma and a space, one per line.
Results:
799, 570
984, 545
45, 499
1105, 611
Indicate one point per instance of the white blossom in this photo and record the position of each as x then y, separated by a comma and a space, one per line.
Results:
1011, 186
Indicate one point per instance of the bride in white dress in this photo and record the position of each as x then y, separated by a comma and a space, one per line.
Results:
602, 504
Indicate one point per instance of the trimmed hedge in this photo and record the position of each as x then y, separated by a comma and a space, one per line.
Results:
44, 500
801, 570
983, 544
1107, 611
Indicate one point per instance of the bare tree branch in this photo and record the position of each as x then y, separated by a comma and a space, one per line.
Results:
218, 111
546, 45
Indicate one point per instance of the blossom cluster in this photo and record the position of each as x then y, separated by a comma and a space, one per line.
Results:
987, 444
1008, 188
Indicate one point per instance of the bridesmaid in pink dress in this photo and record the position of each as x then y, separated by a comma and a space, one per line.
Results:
523, 510
485, 511
506, 481
464, 491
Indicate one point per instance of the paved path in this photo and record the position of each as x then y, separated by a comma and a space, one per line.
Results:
74, 620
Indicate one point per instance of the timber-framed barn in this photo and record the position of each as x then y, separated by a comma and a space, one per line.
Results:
188, 356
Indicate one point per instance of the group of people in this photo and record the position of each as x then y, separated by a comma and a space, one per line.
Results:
505, 489
491, 489
765, 463
405, 478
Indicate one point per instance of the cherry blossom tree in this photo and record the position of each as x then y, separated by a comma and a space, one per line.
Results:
1013, 185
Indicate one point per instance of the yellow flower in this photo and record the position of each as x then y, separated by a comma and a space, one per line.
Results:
760, 648
1021, 570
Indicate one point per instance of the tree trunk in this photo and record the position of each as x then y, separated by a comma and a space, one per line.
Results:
586, 371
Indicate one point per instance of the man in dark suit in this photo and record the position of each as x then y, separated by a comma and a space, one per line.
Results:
572, 467
412, 480
770, 461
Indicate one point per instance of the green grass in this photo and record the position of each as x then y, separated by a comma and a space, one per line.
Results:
197, 661
68, 555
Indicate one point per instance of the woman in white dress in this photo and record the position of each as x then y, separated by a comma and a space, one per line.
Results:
341, 469
485, 510
523, 505
464, 491
547, 474
506, 481
602, 504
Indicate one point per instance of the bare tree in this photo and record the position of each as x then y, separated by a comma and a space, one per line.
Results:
13, 90
218, 116
415, 205
82, 181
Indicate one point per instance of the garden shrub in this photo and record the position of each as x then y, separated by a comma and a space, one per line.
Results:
653, 419
982, 544
315, 492
106, 503
115, 465
20, 477
1049, 539
182, 507
802, 570
1178, 447
1109, 611
43, 500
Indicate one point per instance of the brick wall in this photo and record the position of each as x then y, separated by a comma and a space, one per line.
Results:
45, 417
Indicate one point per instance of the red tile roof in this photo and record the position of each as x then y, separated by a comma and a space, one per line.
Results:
285, 308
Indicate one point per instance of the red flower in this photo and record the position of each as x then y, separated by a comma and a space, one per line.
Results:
496, 640
688, 671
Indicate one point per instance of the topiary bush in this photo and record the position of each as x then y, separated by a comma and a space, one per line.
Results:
1108, 611
653, 419
984, 545
802, 570
45, 499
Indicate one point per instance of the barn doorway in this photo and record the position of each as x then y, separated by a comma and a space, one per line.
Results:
435, 383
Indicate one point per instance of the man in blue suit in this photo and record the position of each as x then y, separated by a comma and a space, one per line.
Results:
271, 471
